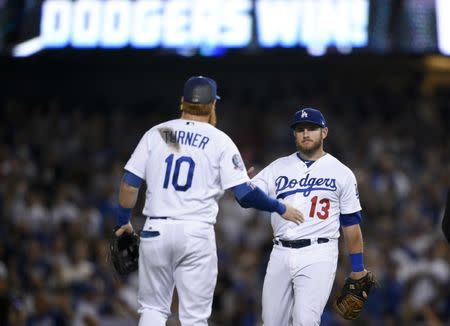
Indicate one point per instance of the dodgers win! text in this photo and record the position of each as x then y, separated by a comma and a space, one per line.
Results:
179, 24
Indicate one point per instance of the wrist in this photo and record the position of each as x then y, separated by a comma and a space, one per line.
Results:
357, 261
123, 215
280, 208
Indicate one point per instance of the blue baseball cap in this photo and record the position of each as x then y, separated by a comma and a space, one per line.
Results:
309, 115
200, 90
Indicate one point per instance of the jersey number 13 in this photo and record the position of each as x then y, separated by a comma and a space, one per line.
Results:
322, 211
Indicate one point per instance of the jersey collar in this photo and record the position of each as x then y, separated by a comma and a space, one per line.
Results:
308, 163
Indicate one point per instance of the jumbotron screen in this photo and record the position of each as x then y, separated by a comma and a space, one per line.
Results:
218, 27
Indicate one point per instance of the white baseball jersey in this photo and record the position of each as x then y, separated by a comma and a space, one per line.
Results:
187, 166
322, 192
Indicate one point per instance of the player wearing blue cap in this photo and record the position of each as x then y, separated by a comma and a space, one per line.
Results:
187, 164
303, 261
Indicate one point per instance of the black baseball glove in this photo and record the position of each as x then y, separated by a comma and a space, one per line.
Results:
353, 296
124, 252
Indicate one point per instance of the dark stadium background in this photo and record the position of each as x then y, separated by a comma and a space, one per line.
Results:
70, 119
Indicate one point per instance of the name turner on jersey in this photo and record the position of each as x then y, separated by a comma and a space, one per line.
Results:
184, 138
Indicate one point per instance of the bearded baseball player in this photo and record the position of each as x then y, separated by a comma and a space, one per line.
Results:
302, 264
187, 164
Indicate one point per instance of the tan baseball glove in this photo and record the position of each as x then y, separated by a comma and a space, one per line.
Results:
354, 295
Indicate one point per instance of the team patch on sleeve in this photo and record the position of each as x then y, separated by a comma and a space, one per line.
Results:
237, 162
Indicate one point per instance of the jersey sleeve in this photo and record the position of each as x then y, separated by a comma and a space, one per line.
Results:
349, 199
261, 180
138, 160
232, 167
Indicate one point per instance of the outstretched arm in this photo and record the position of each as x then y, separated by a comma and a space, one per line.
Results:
249, 195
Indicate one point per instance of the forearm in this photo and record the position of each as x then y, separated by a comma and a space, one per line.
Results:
354, 243
353, 238
127, 199
127, 195
249, 195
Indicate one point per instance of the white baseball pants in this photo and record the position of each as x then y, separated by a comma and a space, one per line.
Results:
184, 256
298, 283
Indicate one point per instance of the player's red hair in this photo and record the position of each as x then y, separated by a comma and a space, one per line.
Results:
200, 109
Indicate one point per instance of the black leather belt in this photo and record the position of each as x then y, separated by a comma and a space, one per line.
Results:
158, 217
298, 243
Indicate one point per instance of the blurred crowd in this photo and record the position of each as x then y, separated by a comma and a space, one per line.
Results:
61, 165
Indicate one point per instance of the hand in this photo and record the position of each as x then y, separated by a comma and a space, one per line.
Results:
128, 228
357, 276
251, 172
352, 297
292, 214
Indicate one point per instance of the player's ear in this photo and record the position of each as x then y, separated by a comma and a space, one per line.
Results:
324, 132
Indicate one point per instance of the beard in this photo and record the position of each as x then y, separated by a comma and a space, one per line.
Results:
309, 148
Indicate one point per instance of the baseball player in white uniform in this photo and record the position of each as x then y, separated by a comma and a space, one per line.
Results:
187, 164
302, 265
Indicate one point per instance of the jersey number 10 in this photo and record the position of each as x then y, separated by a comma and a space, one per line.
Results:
188, 163
323, 212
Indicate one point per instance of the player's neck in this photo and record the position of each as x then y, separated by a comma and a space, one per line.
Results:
312, 156
193, 117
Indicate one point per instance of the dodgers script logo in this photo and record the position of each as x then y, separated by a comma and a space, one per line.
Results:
305, 185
